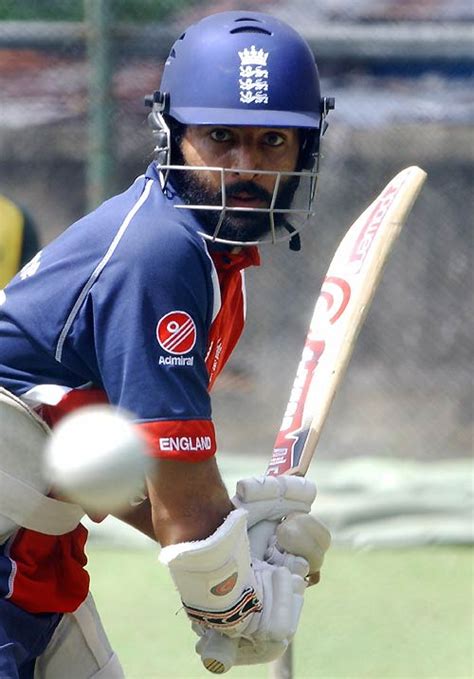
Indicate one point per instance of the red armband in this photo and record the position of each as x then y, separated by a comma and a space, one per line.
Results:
189, 440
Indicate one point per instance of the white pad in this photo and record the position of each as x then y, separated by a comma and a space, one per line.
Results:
274, 497
23, 488
79, 649
221, 590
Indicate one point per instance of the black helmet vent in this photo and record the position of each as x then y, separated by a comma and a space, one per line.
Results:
251, 29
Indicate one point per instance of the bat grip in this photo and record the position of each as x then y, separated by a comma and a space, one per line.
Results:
218, 652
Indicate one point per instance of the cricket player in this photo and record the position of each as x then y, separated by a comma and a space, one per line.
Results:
140, 304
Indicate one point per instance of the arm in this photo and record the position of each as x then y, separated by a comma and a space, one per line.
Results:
139, 517
188, 500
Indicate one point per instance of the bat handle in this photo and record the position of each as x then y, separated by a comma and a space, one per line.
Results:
218, 652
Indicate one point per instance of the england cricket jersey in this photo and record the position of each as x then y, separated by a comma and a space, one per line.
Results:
130, 306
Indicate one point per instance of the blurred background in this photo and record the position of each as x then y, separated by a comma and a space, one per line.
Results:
73, 131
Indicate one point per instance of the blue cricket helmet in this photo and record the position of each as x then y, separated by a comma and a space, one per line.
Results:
242, 68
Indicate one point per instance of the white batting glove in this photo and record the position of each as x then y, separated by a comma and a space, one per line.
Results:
300, 541
222, 590
271, 498
300, 538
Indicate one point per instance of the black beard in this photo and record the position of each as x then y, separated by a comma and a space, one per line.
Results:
237, 225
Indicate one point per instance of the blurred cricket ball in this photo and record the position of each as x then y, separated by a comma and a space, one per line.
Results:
97, 459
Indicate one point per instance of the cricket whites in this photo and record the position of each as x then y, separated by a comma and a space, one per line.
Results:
340, 310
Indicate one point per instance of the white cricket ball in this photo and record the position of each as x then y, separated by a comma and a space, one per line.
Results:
96, 458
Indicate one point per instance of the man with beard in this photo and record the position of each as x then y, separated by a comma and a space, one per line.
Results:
139, 305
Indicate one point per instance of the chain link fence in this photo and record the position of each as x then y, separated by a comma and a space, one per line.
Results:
73, 128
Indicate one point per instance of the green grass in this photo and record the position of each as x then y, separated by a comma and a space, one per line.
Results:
388, 614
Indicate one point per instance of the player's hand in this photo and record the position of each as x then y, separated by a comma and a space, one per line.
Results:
271, 498
299, 539
268, 634
222, 590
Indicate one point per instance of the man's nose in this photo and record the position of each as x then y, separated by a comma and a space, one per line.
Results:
245, 161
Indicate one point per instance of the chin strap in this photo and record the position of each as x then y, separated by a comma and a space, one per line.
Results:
295, 240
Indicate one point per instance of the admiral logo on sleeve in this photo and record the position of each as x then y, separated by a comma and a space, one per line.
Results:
176, 334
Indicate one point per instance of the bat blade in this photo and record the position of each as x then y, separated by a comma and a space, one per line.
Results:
340, 310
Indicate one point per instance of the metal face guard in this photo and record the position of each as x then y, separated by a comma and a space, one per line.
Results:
304, 196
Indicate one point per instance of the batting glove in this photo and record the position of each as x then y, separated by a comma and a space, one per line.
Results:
271, 498
221, 590
300, 541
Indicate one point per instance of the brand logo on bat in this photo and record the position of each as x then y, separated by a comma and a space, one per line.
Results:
290, 439
331, 304
374, 220
176, 333
335, 295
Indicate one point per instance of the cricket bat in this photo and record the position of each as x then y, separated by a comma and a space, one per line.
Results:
341, 307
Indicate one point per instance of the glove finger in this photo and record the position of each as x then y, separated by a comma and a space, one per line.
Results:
281, 623
304, 535
295, 564
258, 488
299, 587
298, 489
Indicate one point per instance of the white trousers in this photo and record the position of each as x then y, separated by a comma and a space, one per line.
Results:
79, 649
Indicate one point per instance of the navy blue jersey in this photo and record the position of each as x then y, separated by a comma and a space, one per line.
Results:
129, 306
122, 304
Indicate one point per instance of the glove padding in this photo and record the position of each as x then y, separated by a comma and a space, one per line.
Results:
222, 590
272, 498
300, 535
300, 541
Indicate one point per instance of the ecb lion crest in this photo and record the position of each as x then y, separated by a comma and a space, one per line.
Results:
253, 80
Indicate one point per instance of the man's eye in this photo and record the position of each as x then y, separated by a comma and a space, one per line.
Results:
274, 139
220, 134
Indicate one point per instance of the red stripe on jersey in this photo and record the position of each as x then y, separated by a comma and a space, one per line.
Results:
227, 327
189, 440
76, 398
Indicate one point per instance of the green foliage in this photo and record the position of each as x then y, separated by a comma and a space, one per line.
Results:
73, 10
